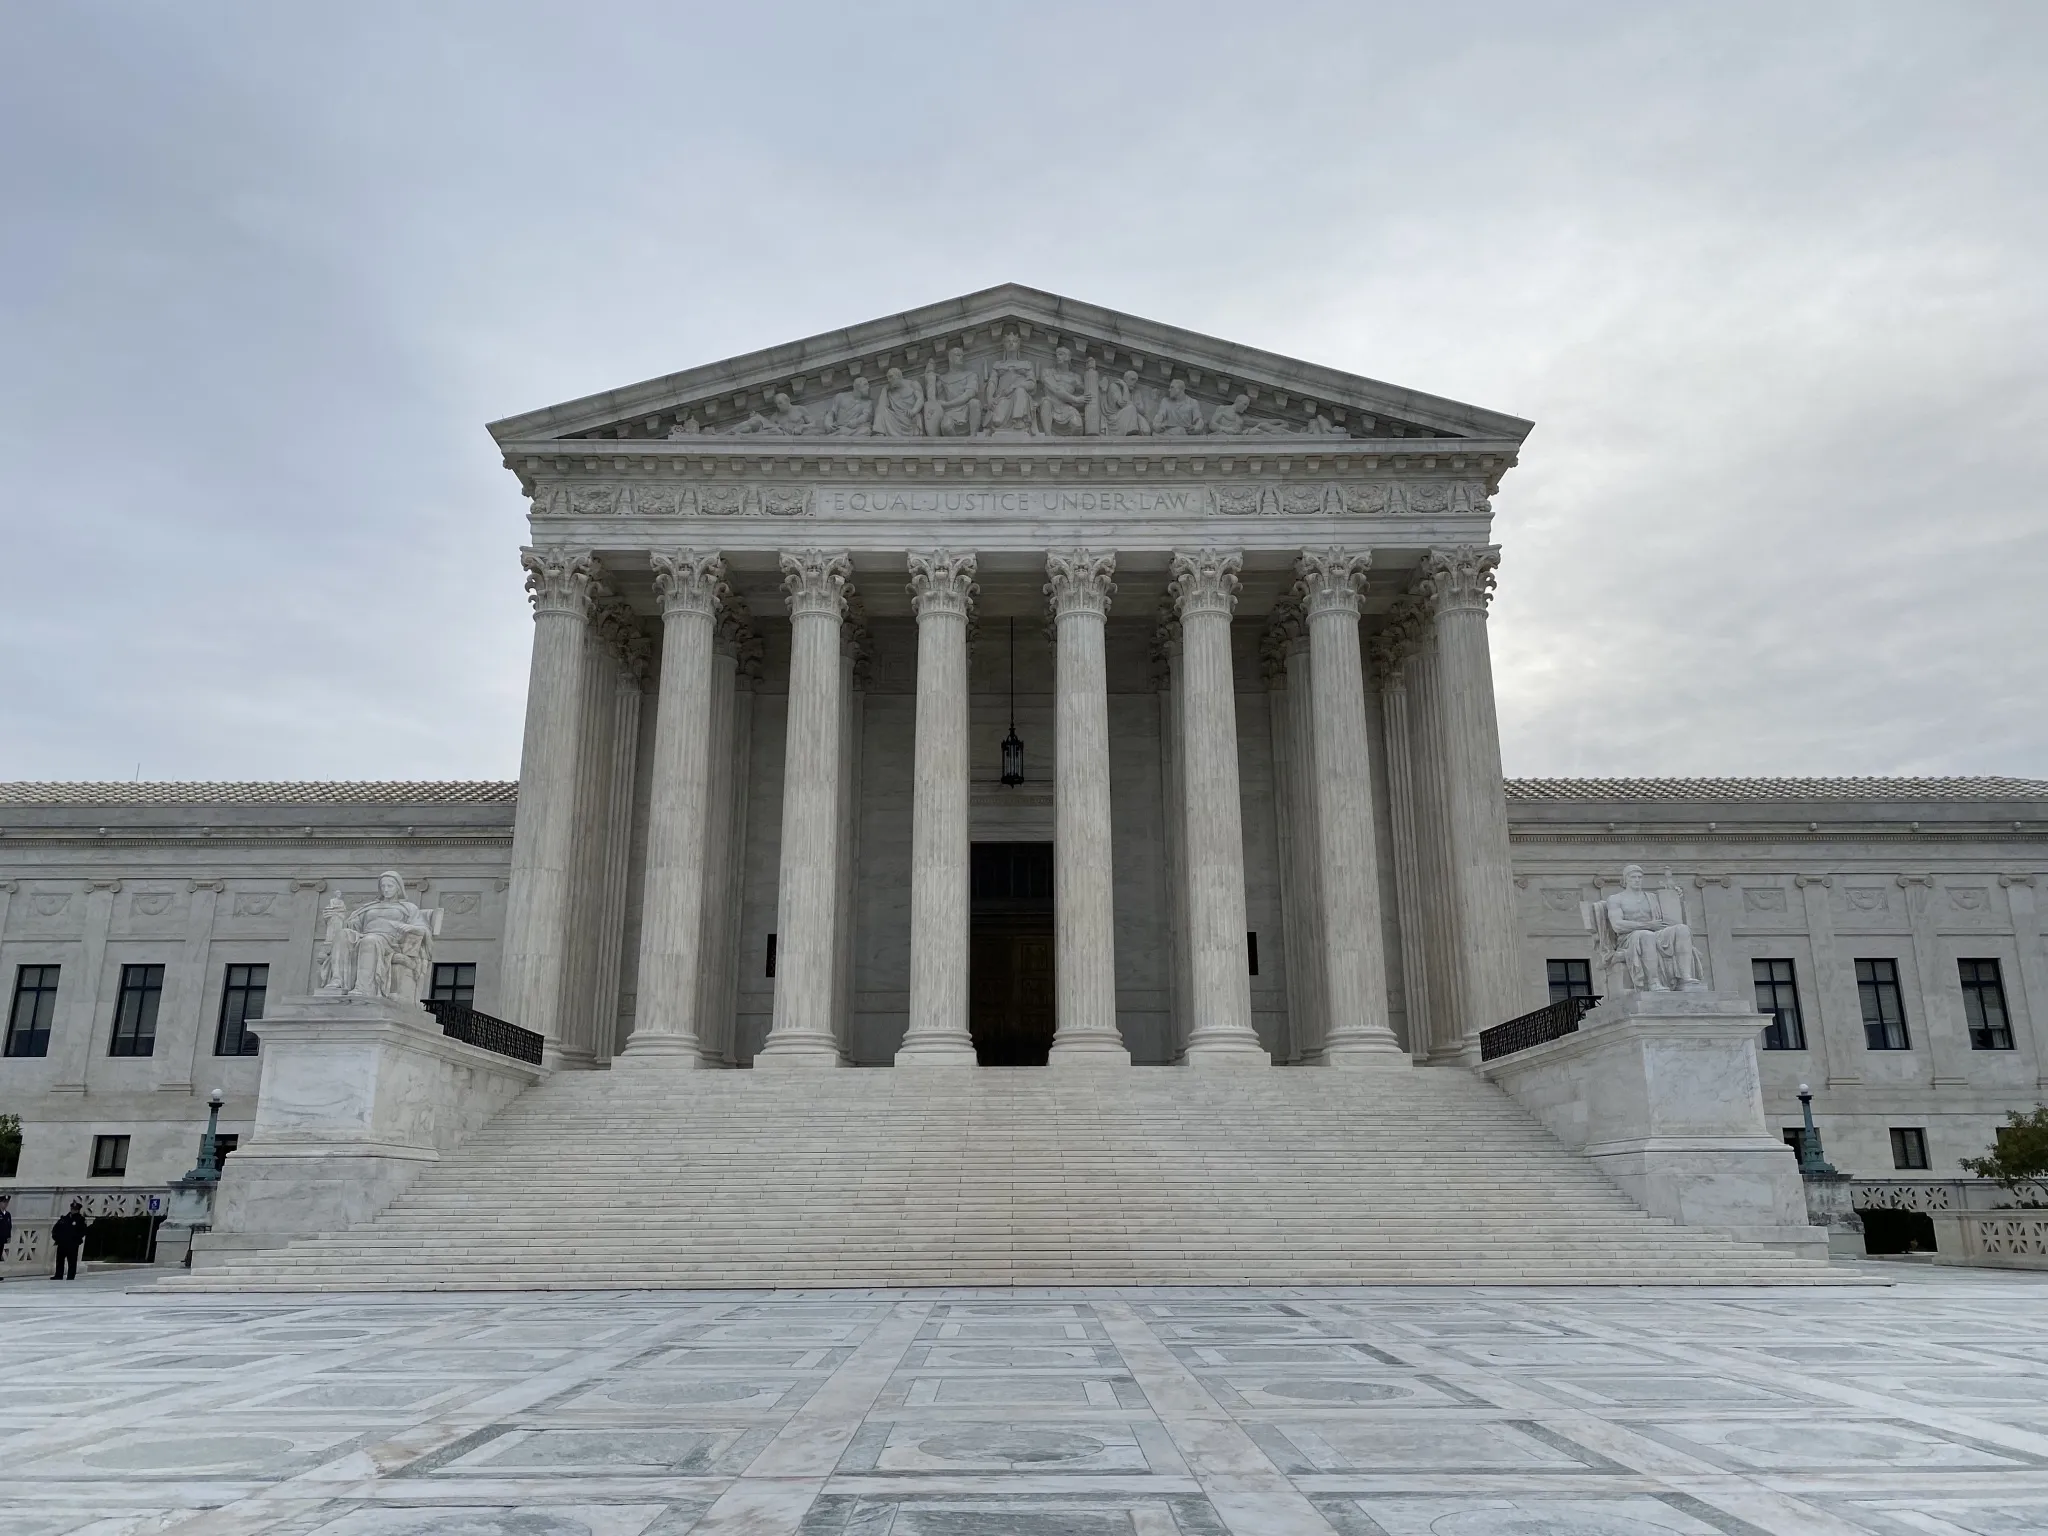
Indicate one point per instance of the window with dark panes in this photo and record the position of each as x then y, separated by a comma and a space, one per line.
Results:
241, 1004
1984, 1005
109, 1157
1909, 1147
1777, 997
1884, 1006
142, 989
1569, 978
35, 1004
454, 983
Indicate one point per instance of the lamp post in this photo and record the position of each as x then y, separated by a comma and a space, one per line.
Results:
208, 1170
1811, 1161
1013, 746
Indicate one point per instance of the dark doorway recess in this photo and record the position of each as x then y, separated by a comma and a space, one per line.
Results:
1010, 980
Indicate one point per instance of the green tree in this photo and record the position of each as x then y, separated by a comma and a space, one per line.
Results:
10, 1145
2019, 1157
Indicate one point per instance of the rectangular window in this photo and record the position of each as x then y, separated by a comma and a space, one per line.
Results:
1251, 949
1795, 1138
223, 1144
35, 1004
1777, 995
1909, 1147
454, 983
1984, 1005
1884, 1007
771, 955
241, 1004
1569, 978
110, 1157
142, 988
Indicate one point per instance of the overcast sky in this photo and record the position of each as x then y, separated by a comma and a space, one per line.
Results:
1768, 278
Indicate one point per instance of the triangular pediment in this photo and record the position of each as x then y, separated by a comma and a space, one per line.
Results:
1008, 364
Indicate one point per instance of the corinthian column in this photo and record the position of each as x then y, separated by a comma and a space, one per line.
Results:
801, 1034
634, 661
1204, 588
715, 977
690, 584
1458, 584
1354, 969
1084, 911
561, 585
941, 587
1391, 650
1284, 657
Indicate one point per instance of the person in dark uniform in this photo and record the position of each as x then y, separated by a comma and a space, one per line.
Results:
6, 1226
69, 1236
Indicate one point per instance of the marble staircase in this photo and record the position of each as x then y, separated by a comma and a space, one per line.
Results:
1016, 1176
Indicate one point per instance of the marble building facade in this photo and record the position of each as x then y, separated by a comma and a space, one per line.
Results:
787, 610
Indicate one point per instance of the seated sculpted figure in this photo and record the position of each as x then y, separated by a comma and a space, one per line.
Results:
1012, 381
384, 948
1064, 397
1120, 414
1229, 419
952, 400
853, 412
1177, 415
899, 411
1645, 933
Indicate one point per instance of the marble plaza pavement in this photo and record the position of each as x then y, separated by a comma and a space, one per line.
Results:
1396, 1411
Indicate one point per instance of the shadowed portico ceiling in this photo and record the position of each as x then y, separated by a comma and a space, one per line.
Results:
987, 368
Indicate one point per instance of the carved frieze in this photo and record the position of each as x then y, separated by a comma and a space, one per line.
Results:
1223, 497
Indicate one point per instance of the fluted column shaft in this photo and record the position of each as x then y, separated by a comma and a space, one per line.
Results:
586, 873
1084, 906
801, 1031
1308, 847
690, 584
942, 588
1458, 584
1204, 587
1167, 677
1354, 966
1433, 848
628, 678
1393, 648
561, 585
718, 916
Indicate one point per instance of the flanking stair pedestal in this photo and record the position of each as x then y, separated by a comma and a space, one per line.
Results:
358, 1097
1008, 1176
1660, 1091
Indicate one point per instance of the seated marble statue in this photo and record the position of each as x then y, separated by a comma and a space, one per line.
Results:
899, 411
383, 949
1120, 414
1644, 934
1012, 382
1065, 399
786, 420
852, 413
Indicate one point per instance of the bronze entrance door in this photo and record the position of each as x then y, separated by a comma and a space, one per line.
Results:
1010, 1010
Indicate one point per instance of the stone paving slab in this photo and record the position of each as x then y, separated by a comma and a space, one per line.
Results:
1901, 1410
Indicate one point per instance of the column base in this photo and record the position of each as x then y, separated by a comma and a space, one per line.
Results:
571, 1058
1371, 1053
1230, 1050
674, 1053
937, 1051
800, 1051
1090, 1050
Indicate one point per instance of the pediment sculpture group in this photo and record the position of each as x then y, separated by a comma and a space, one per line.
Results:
1016, 397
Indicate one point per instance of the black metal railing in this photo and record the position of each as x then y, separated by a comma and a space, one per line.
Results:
1559, 1019
461, 1022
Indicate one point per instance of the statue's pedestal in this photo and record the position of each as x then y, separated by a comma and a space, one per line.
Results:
357, 1096
1831, 1206
1660, 1090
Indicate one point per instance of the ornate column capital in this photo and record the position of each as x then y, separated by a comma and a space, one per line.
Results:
941, 582
1461, 577
619, 628
688, 581
735, 635
1080, 580
1205, 581
816, 581
1331, 580
1388, 652
562, 580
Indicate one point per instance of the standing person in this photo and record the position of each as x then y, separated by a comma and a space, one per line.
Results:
69, 1237
6, 1227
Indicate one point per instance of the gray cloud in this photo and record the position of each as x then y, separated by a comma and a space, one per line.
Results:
1766, 277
